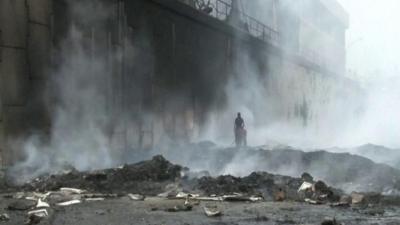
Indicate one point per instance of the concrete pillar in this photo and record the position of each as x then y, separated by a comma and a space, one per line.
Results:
13, 67
24, 58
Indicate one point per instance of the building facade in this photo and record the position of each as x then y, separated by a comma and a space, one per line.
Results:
163, 69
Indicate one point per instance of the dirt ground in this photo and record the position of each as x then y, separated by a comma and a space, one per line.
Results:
153, 211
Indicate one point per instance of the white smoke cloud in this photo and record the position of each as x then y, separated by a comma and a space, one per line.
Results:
80, 105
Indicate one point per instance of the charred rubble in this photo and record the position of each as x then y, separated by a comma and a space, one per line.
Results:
159, 177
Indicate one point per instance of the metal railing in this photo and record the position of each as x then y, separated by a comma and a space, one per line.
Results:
222, 10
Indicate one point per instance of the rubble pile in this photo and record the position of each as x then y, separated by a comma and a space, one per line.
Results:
147, 177
159, 177
257, 183
346, 171
157, 181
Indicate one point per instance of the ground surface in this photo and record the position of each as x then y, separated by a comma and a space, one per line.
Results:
153, 212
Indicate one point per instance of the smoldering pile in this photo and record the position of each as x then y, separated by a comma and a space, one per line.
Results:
146, 177
159, 177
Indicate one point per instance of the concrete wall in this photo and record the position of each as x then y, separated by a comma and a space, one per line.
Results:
166, 84
24, 49
196, 56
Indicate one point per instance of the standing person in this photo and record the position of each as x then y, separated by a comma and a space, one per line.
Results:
240, 132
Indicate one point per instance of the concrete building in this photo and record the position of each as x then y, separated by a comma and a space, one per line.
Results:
165, 64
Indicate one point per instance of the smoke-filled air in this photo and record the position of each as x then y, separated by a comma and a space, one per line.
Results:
170, 110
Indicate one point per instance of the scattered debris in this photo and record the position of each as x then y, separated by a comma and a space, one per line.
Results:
94, 199
180, 208
35, 216
365, 198
126, 179
313, 202
4, 217
98, 195
18, 195
241, 198
42, 204
100, 212
212, 211
72, 202
72, 190
39, 213
136, 197
339, 204
212, 198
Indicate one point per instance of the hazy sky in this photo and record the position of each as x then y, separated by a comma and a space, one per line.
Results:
373, 42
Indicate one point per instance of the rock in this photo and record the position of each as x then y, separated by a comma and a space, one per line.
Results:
4, 217
33, 219
357, 198
345, 199
320, 187
366, 198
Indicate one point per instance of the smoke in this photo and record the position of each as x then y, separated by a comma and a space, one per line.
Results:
80, 104
282, 103
372, 46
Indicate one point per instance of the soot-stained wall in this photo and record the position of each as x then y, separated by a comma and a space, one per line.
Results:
167, 67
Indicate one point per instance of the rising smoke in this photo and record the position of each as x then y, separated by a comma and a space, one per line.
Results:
81, 82
289, 106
